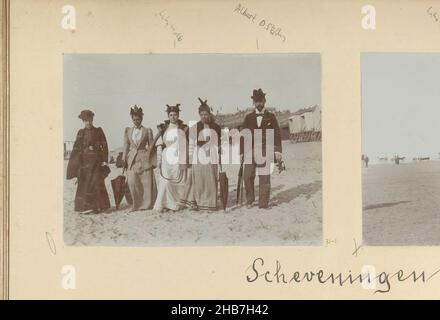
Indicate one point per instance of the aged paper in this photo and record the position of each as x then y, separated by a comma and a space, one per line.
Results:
4, 230
39, 259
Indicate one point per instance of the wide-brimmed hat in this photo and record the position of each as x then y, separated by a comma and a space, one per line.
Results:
86, 115
258, 95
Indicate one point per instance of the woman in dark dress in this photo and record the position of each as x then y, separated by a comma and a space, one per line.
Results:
88, 163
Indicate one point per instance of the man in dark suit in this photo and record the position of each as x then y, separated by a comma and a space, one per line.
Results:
266, 144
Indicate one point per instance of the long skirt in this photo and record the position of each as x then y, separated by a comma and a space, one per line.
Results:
143, 189
172, 180
91, 193
200, 192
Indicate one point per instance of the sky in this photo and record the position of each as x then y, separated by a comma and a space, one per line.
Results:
109, 84
400, 105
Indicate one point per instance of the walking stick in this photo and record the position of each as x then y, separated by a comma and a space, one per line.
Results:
240, 184
242, 189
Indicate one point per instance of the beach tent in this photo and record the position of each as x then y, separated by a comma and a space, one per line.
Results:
307, 119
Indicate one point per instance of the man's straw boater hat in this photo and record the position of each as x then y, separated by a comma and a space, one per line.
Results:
258, 95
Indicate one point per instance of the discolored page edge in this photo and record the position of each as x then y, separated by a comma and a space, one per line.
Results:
4, 100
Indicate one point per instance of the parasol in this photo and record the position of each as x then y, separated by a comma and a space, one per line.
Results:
120, 189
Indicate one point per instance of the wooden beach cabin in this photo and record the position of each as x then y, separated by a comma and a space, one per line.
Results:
305, 125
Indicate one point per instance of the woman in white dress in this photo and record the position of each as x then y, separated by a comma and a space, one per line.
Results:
172, 161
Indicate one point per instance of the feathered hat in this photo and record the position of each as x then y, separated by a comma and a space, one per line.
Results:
204, 106
136, 111
173, 108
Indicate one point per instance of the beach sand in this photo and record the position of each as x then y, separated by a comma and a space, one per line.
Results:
295, 219
401, 204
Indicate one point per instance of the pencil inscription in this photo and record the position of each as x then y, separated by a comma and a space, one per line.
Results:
165, 18
265, 24
384, 280
51, 243
433, 13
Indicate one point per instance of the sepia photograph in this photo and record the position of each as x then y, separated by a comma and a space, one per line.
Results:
400, 149
220, 150
192, 149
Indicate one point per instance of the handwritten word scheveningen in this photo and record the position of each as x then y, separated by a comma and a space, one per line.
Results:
263, 23
258, 271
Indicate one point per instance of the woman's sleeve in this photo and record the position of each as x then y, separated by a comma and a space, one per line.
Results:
219, 143
159, 144
126, 145
78, 141
150, 138
192, 141
73, 164
104, 146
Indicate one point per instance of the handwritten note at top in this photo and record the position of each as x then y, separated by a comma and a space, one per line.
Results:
265, 24
433, 13
166, 20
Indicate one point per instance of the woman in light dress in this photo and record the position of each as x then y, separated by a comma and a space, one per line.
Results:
200, 192
172, 161
138, 142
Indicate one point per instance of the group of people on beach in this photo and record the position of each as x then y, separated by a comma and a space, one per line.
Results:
182, 184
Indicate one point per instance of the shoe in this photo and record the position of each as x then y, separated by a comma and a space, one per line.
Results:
249, 205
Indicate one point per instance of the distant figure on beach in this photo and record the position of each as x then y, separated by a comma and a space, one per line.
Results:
397, 159
138, 140
366, 159
88, 163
